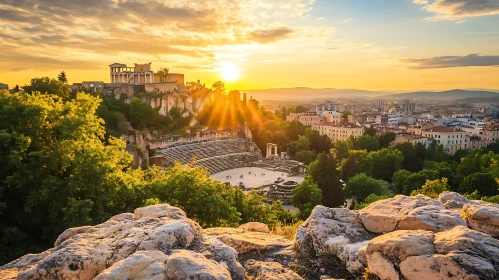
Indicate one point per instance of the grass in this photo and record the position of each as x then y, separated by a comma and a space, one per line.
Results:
287, 231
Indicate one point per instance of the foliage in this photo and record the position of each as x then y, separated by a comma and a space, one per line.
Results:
47, 85
361, 186
62, 77
404, 182
305, 156
385, 139
57, 172
433, 188
484, 183
326, 176
163, 74
385, 163
306, 196
366, 142
139, 113
412, 161
286, 230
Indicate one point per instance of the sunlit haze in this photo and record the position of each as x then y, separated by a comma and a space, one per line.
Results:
253, 44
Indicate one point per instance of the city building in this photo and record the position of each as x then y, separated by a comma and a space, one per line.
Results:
339, 131
4, 86
332, 117
411, 138
305, 118
451, 139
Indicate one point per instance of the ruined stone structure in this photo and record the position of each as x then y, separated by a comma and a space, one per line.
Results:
140, 74
281, 191
271, 151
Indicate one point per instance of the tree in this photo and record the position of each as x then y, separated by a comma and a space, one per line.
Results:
16, 89
369, 200
139, 112
433, 188
300, 109
385, 163
344, 116
366, 142
57, 171
411, 161
62, 77
306, 196
48, 86
327, 178
484, 183
303, 144
163, 74
385, 139
371, 131
218, 87
318, 143
399, 181
305, 156
358, 161
360, 186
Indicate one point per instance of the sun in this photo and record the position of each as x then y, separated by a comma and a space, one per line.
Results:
229, 72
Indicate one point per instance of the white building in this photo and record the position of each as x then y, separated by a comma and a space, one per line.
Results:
452, 139
339, 131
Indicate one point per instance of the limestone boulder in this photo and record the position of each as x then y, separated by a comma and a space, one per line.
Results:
385, 215
222, 253
483, 218
458, 253
333, 232
254, 245
430, 217
83, 253
258, 270
147, 265
478, 215
256, 227
12, 270
184, 264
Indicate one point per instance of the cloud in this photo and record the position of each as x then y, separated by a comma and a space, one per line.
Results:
459, 9
453, 61
265, 36
56, 32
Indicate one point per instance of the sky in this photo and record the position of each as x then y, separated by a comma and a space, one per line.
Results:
389, 45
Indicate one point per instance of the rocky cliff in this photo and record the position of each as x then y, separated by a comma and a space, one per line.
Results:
398, 238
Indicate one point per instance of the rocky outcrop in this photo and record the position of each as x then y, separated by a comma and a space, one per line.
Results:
334, 232
258, 270
407, 213
459, 253
478, 215
424, 239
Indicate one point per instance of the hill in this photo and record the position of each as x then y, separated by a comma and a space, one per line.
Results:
310, 93
449, 95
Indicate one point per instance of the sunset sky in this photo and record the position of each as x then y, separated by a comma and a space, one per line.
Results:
362, 44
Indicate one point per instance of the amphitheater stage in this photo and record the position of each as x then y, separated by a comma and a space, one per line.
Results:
250, 180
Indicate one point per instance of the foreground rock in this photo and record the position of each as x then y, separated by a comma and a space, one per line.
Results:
258, 270
459, 253
255, 245
478, 215
109, 248
334, 232
408, 213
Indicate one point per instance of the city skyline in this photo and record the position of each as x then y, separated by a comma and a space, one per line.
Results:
372, 45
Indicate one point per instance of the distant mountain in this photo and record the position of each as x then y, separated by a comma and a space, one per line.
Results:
304, 93
449, 95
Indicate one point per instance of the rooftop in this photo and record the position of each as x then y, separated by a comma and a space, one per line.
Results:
443, 129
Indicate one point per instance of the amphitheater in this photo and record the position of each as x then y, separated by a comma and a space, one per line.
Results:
216, 155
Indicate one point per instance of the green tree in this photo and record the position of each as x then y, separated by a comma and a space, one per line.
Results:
47, 85
139, 113
411, 161
433, 188
62, 77
303, 144
385, 163
306, 196
371, 131
385, 139
366, 142
318, 143
57, 171
360, 186
370, 199
305, 156
399, 181
484, 183
327, 178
